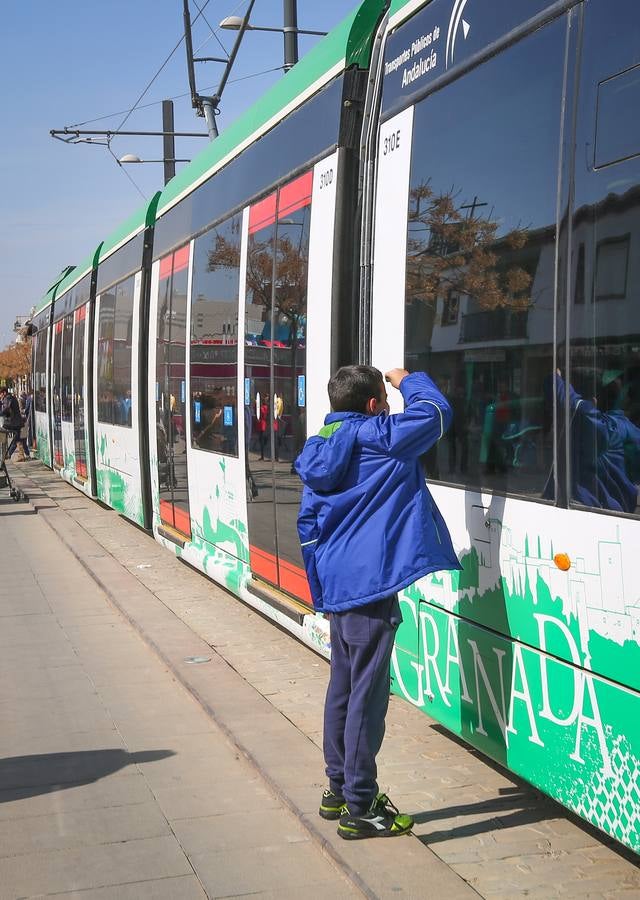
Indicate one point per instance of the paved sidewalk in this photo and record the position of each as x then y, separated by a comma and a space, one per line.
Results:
113, 782
478, 830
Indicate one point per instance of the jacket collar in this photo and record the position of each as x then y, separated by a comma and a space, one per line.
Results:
345, 417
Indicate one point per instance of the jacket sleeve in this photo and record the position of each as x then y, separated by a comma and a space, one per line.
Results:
308, 532
426, 417
586, 410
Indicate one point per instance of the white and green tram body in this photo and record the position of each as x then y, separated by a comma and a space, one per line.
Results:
454, 186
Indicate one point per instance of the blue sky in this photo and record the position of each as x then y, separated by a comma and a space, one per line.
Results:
69, 62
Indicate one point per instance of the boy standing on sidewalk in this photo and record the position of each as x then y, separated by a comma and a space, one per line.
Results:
368, 528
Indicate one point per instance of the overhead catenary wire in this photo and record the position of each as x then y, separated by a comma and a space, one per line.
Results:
122, 168
135, 105
175, 97
127, 113
211, 29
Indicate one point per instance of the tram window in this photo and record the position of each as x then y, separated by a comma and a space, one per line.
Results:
67, 363
612, 263
122, 339
115, 328
105, 356
479, 294
301, 136
214, 338
40, 371
603, 381
80, 316
617, 132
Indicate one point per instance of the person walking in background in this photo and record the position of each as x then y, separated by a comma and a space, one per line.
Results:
11, 418
368, 527
262, 420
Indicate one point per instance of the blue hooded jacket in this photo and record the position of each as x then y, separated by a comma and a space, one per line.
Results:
368, 526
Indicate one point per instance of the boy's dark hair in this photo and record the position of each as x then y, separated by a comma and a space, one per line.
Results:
353, 386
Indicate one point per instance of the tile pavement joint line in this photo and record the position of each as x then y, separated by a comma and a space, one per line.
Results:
318, 838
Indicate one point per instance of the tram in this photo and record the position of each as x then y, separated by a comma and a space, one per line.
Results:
454, 185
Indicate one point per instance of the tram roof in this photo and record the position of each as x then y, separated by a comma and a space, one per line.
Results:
396, 5
348, 44
53, 290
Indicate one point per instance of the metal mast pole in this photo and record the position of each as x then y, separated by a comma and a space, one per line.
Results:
290, 34
168, 141
202, 105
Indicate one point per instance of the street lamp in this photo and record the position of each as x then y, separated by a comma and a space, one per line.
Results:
169, 149
290, 32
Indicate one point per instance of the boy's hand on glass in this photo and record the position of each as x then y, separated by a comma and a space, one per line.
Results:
395, 376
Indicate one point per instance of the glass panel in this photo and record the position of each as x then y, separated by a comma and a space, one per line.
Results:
258, 412
617, 133
480, 263
441, 35
105, 357
163, 414
177, 392
79, 392
604, 375
121, 263
171, 352
301, 136
67, 363
122, 338
289, 385
58, 459
40, 375
214, 339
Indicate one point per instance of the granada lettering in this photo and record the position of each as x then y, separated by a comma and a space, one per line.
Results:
500, 696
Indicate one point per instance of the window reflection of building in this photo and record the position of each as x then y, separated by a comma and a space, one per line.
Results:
481, 257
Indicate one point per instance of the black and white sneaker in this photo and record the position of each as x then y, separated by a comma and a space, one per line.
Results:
332, 805
382, 820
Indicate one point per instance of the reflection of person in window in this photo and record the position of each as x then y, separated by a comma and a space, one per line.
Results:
497, 418
210, 437
458, 436
126, 408
605, 447
278, 431
261, 426
248, 423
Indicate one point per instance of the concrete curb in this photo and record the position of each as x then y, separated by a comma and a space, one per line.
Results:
264, 737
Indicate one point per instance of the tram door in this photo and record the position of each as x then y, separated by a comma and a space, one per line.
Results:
275, 380
79, 393
56, 393
171, 392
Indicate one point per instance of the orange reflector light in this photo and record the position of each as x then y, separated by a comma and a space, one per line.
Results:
562, 561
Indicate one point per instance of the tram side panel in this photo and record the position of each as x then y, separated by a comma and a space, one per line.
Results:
243, 367
116, 397
530, 652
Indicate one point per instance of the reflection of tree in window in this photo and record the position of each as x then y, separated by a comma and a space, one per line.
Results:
450, 251
214, 338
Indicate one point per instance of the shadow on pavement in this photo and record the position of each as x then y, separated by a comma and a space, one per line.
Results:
22, 777
507, 811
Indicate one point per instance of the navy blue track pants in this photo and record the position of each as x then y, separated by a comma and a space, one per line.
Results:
358, 698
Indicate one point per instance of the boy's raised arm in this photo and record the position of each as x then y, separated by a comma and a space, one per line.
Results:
426, 417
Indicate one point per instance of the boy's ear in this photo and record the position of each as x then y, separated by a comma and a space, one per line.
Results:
372, 406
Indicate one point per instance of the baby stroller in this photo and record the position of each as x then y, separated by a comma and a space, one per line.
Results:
5, 480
